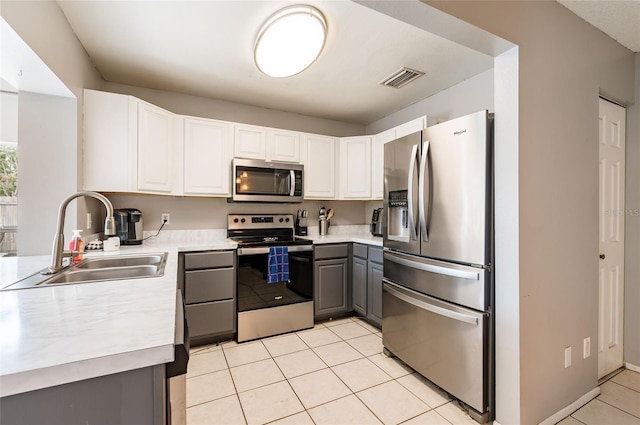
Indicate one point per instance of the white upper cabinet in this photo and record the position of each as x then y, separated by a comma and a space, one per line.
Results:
355, 167
129, 145
283, 145
207, 157
319, 167
156, 149
377, 152
250, 141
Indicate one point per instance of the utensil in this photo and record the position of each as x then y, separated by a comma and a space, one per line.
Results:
330, 213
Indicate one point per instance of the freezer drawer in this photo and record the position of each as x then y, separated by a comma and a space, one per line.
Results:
446, 344
463, 285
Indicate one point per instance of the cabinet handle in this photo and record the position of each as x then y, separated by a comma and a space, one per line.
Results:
602, 256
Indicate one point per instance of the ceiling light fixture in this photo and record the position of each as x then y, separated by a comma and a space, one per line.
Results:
290, 41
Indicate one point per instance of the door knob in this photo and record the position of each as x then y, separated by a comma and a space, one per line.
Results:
602, 256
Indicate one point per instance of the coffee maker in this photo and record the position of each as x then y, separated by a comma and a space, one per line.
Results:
376, 222
128, 226
301, 223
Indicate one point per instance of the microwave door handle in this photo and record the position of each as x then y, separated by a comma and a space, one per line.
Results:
292, 182
412, 167
425, 198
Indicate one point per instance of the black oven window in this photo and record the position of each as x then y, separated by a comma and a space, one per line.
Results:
254, 292
262, 181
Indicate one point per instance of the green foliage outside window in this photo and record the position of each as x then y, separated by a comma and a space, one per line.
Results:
8, 171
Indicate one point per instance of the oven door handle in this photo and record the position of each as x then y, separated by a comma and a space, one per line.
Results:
265, 249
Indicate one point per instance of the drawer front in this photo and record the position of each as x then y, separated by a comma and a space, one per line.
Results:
375, 254
331, 251
208, 260
214, 318
360, 250
209, 285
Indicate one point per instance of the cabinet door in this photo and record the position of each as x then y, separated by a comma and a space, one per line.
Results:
355, 167
110, 131
359, 280
331, 286
156, 145
374, 292
207, 157
377, 161
249, 141
284, 146
320, 167
411, 127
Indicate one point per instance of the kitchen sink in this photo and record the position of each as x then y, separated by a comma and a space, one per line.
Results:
100, 269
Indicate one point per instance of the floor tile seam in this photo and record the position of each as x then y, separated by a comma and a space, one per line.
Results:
286, 354
191, 376
367, 406
430, 410
391, 378
617, 408
573, 417
261, 386
624, 386
214, 399
446, 397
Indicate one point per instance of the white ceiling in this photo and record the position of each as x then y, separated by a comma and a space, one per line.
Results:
619, 19
205, 48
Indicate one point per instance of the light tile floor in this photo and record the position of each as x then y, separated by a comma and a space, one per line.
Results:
617, 404
336, 373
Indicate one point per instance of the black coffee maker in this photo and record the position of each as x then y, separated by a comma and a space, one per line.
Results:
376, 222
128, 226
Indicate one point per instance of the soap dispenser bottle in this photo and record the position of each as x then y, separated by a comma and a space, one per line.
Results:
76, 244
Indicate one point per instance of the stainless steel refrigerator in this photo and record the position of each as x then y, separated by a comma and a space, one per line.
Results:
438, 239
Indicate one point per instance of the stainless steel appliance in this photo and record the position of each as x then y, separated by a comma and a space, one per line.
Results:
376, 222
129, 226
438, 285
266, 309
261, 181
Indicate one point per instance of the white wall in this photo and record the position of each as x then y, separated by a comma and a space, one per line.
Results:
467, 97
8, 117
632, 237
229, 111
47, 158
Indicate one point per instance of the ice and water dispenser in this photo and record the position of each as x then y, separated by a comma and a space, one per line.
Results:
398, 220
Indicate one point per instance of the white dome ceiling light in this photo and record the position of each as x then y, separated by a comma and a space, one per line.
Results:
290, 41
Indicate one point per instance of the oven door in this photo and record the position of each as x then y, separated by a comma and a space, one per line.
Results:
259, 181
266, 309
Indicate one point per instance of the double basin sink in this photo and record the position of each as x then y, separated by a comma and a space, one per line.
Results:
100, 269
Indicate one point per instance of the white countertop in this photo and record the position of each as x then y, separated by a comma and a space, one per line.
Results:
59, 334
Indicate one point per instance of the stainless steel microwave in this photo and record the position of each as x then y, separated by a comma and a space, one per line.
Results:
261, 181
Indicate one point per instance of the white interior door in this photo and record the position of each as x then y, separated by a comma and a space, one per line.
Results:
612, 215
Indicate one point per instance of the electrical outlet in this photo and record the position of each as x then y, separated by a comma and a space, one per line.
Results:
567, 357
586, 347
89, 222
166, 219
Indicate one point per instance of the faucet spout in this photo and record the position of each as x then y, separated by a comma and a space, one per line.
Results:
58, 240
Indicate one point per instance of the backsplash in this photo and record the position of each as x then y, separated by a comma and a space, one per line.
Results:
192, 213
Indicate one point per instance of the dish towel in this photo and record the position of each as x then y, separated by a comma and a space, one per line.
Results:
278, 264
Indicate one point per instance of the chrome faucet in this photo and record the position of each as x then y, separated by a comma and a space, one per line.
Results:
58, 241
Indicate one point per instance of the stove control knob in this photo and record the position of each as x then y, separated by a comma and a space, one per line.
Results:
243, 220
235, 220
281, 220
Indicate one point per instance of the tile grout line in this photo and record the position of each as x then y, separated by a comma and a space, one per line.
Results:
618, 408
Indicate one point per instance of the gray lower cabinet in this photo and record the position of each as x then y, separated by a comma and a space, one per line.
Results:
374, 293
366, 281
359, 278
331, 271
134, 397
208, 282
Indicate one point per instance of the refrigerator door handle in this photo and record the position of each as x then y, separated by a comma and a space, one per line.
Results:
399, 292
424, 198
432, 268
412, 167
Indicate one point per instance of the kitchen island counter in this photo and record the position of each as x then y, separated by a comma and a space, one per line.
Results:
363, 238
52, 335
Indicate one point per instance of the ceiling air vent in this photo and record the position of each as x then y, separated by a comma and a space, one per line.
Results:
401, 77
